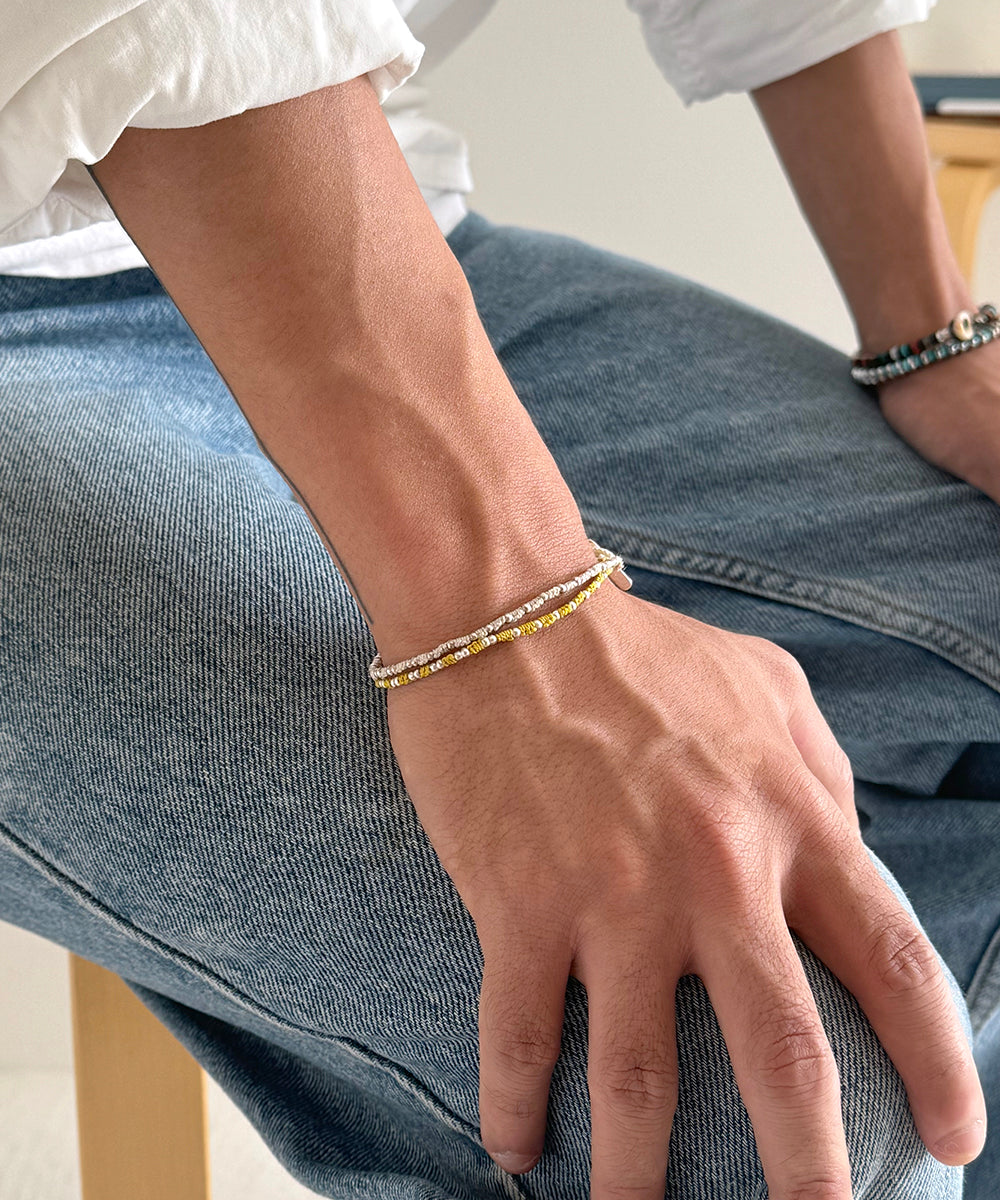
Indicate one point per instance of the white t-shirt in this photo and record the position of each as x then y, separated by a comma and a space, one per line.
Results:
75, 73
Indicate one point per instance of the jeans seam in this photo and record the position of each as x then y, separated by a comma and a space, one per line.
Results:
831, 598
109, 917
983, 995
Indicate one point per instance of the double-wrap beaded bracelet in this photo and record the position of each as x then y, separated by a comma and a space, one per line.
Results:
452, 652
965, 331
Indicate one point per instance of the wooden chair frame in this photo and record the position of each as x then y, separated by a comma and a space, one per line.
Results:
140, 1097
969, 153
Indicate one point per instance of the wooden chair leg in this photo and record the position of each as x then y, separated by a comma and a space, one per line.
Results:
140, 1097
963, 189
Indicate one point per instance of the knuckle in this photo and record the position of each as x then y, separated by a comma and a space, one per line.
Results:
638, 1084
628, 1191
840, 765
796, 675
502, 1101
782, 662
793, 1058
832, 1187
629, 872
794, 785
804, 802
524, 1049
902, 958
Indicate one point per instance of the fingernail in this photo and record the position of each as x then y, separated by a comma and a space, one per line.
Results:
965, 1142
514, 1162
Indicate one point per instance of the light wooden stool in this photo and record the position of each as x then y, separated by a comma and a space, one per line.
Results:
140, 1096
969, 151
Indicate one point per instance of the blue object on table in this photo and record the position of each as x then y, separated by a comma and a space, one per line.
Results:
959, 95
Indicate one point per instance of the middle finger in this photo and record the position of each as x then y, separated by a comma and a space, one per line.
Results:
782, 1061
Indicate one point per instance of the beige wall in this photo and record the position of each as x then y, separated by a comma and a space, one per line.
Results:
573, 129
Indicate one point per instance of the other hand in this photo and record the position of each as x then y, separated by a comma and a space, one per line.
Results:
950, 414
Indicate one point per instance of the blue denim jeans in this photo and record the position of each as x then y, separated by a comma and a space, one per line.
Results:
197, 787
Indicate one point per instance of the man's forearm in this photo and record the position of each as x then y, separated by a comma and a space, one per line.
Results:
850, 134
295, 242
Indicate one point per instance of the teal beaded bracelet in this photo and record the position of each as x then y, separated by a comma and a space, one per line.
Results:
966, 331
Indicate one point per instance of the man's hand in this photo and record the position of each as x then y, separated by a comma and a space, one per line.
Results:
950, 413
631, 795
634, 796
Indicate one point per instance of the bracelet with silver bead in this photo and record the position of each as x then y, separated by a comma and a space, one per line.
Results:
607, 561
966, 331
504, 635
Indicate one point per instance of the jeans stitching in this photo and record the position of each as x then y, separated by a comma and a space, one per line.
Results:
90, 902
833, 599
983, 995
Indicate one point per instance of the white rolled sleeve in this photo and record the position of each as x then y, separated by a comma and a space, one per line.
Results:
707, 47
75, 73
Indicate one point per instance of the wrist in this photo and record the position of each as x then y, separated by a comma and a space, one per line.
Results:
455, 593
532, 659
450, 510
910, 302
976, 372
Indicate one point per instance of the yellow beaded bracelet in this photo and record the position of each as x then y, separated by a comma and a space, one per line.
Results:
505, 635
377, 669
